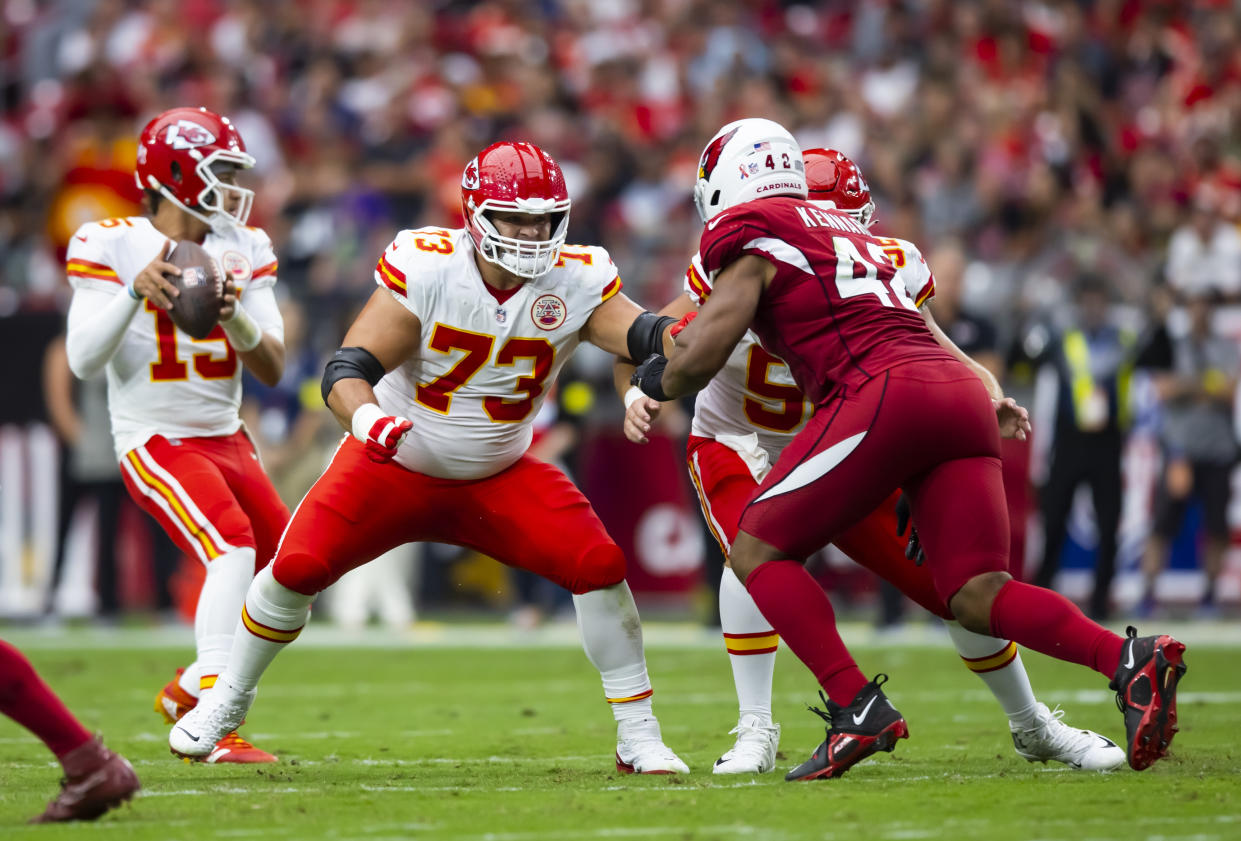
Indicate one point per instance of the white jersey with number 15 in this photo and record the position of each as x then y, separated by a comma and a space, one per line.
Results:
160, 380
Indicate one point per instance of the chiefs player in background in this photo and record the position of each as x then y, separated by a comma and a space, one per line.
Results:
893, 408
173, 400
96, 779
439, 380
742, 421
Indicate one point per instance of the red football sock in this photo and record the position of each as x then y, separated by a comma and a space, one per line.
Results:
796, 606
26, 699
1047, 622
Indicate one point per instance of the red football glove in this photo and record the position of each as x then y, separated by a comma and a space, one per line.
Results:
385, 437
380, 433
683, 323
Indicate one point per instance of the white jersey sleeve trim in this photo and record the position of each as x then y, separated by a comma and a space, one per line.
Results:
782, 251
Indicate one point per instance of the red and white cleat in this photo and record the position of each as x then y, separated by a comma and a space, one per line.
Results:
172, 702
234, 749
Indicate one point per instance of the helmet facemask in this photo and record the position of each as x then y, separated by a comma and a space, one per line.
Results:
865, 215
523, 258
212, 202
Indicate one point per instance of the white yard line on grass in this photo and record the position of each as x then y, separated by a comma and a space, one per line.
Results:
657, 635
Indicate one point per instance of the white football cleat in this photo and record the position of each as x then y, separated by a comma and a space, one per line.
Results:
640, 749
755, 749
219, 712
1051, 738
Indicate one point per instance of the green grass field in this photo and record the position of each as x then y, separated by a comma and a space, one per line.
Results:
515, 743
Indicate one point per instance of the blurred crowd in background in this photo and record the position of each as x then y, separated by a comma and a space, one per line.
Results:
1071, 169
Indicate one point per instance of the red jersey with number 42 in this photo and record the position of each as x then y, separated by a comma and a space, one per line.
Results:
836, 312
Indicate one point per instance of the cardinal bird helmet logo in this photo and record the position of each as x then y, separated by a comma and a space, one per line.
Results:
711, 155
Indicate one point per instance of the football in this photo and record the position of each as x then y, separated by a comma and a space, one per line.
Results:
201, 283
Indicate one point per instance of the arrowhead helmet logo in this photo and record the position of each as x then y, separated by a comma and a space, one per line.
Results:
469, 178
187, 134
711, 155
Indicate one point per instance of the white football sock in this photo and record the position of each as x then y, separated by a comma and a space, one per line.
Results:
219, 605
612, 638
999, 665
272, 618
190, 677
751, 643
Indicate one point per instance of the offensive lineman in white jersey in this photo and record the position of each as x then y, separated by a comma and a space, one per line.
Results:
174, 400
439, 380
742, 421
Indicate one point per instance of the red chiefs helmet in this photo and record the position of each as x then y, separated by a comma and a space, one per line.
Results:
177, 152
836, 183
520, 178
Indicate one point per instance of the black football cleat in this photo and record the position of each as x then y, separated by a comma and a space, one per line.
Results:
1145, 685
869, 724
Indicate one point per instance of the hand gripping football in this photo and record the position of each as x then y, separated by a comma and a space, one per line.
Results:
201, 283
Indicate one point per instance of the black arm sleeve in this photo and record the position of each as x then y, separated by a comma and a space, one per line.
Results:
350, 363
646, 335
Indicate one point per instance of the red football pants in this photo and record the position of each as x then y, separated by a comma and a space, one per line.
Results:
210, 494
528, 516
725, 486
928, 427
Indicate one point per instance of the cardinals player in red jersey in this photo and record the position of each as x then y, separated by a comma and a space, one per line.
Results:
742, 421
439, 379
174, 401
893, 408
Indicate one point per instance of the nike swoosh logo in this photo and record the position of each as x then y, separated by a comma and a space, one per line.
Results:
717, 220
80, 237
858, 719
1129, 665
193, 738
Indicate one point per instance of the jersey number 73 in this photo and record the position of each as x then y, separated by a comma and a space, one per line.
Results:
476, 347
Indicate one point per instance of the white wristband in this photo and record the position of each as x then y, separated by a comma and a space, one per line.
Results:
243, 331
633, 395
364, 419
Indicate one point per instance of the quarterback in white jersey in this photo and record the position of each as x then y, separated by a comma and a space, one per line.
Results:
174, 400
439, 380
742, 421
156, 370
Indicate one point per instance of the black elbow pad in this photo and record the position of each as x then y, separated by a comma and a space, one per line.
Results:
350, 363
646, 335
